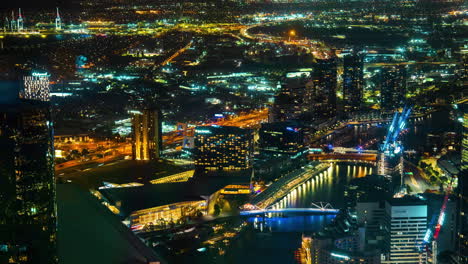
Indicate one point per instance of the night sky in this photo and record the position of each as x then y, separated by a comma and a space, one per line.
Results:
29, 4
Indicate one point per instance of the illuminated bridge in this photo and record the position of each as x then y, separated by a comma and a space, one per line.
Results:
319, 208
344, 157
287, 183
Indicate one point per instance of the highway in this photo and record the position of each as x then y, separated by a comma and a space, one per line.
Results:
317, 48
244, 120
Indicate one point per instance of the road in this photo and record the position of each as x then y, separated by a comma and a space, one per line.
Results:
317, 48
101, 153
244, 120
416, 179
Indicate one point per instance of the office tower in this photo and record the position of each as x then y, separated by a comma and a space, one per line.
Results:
293, 100
353, 82
20, 21
392, 87
282, 137
463, 192
27, 185
342, 241
147, 134
223, 148
371, 215
58, 21
36, 86
323, 90
405, 226
13, 25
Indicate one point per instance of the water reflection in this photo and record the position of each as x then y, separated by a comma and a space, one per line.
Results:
328, 186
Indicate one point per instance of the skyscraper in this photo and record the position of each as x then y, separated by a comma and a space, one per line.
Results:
27, 184
20, 21
58, 21
36, 86
13, 25
147, 134
392, 87
463, 193
405, 225
353, 82
293, 100
223, 148
282, 137
323, 91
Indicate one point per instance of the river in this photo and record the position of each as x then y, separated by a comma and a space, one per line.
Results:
276, 239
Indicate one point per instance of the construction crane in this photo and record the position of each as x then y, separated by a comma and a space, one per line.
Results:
398, 124
391, 148
431, 235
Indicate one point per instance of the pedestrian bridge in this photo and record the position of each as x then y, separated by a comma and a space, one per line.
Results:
290, 210
316, 208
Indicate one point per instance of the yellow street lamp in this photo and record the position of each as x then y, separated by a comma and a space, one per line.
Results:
292, 33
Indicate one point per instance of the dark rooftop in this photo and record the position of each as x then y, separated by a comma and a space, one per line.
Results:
407, 200
142, 197
89, 233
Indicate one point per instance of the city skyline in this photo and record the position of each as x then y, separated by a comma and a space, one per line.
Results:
310, 132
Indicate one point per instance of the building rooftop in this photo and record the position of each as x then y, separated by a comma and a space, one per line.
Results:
407, 200
221, 129
143, 197
89, 233
9, 91
124, 172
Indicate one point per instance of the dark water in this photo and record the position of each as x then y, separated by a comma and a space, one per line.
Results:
329, 187
276, 239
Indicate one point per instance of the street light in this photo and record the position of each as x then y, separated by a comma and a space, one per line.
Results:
292, 33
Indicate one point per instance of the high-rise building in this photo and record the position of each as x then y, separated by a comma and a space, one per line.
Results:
353, 82
147, 134
58, 21
36, 86
27, 184
293, 100
282, 137
392, 87
20, 21
310, 95
223, 148
13, 25
463, 193
342, 242
405, 226
323, 92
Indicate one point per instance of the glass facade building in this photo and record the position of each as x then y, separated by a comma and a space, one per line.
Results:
27, 184
353, 82
281, 137
392, 87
